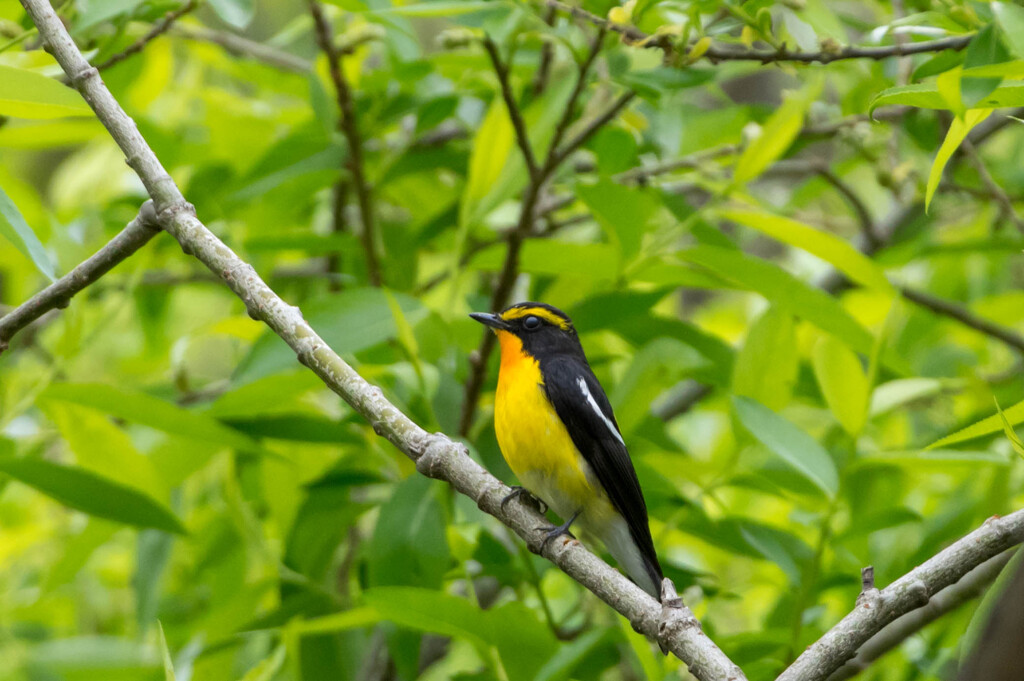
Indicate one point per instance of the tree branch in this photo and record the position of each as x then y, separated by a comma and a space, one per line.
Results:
514, 114
159, 28
998, 192
349, 127
964, 316
876, 609
134, 236
949, 599
243, 47
436, 456
717, 53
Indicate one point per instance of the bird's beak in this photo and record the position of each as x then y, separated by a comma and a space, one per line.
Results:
492, 320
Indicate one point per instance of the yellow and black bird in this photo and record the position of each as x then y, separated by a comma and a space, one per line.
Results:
558, 434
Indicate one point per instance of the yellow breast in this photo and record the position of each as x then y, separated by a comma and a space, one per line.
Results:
534, 441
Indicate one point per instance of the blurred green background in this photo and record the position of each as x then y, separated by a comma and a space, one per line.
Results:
183, 468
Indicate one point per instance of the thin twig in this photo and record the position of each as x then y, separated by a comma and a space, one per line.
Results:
349, 127
435, 455
964, 316
910, 592
159, 28
717, 53
942, 603
547, 54
598, 122
998, 192
568, 114
514, 114
134, 236
243, 47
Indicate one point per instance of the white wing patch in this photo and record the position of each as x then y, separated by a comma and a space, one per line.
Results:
593, 404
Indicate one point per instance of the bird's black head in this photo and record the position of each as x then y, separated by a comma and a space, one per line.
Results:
542, 329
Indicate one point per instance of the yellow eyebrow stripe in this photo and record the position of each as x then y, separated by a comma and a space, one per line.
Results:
547, 315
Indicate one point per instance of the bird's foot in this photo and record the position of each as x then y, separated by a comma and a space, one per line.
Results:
534, 501
552, 532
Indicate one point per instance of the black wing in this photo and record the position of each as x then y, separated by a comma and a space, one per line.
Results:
583, 407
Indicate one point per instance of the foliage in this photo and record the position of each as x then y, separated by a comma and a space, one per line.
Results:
746, 253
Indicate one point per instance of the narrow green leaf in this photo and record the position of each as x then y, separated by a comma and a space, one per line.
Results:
958, 130
442, 8
491, 148
985, 49
986, 426
27, 94
624, 212
235, 13
569, 656
766, 366
356, 618
91, 493
1010, 18
14, 228
776, 136
267, 668
165, 654
783, 290
830, 248
150, 411
927, 96
843, 383
1011, 434
792, 445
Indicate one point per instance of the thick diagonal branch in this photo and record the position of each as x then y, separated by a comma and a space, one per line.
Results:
435, 455
348, 124
134, 236
877, 609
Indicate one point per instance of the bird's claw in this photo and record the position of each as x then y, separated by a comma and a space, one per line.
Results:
518, 491
552, 532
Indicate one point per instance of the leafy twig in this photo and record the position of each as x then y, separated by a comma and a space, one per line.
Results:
964, 316
349, 127
717, 53
159, 28
134, 236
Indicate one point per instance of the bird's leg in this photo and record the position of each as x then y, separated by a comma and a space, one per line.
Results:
553, 532
518, 491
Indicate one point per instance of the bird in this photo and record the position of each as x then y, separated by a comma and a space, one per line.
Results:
555, 427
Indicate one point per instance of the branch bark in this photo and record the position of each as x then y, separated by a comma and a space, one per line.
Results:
349, 127
436, 456
946, 601
134, 236
243, 47
717, 53
877, 609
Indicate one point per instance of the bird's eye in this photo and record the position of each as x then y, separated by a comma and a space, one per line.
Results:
531, 323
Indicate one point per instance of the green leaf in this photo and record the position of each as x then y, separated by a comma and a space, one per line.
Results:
783, 290
150, 411
91, 493
27, 94
776, 136
958, 130
903, 391
984, 49
624, 212
14, 228
843, 383
356, 618
830, 248
235, 13
491, 148
267, 668
1011, 434
927, 96
765, 369
1010, 18
561, 665
792, 445
165, 655
409, 545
